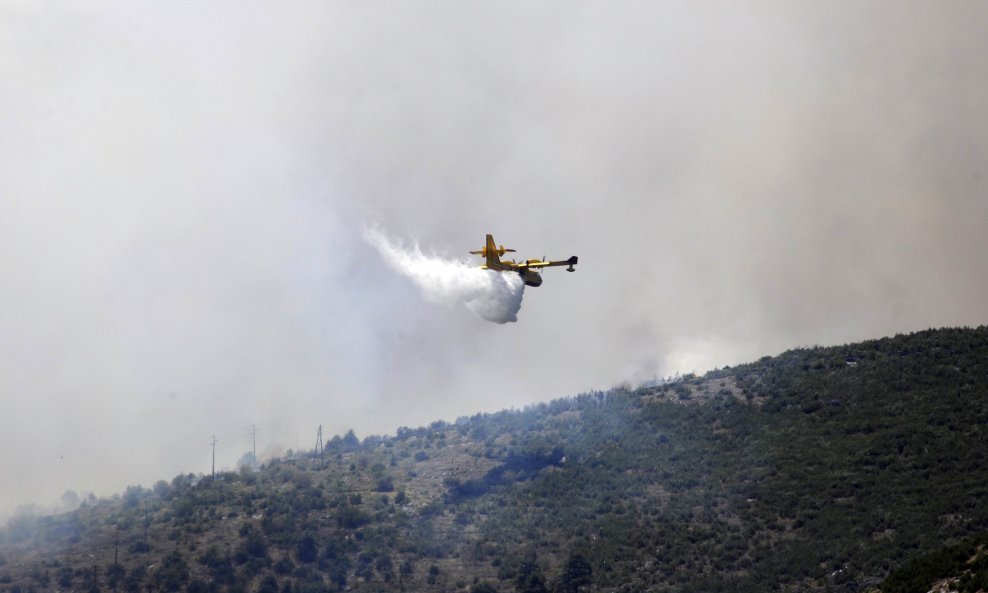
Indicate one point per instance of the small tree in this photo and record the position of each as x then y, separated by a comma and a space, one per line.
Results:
385, 484
576, 573
307, 549
530, 579
172, 574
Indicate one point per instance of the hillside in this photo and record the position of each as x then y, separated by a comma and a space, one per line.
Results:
839, 469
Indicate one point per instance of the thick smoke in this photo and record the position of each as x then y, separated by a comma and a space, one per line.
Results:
495, 296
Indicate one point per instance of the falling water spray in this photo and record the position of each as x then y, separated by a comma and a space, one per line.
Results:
495, 296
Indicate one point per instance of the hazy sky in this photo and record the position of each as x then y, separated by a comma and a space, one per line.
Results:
183, 188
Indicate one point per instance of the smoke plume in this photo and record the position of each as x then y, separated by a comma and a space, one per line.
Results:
495, 296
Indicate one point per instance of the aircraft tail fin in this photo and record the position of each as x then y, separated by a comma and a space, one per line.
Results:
490, 251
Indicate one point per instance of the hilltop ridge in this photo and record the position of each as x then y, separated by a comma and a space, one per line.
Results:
824, 468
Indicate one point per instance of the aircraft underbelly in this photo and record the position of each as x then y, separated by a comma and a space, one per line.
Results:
531, 278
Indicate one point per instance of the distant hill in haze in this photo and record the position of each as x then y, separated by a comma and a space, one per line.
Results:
822, 469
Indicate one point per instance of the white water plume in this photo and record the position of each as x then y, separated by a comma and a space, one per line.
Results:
495, 296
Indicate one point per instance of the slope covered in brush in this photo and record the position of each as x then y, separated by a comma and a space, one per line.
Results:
820, 468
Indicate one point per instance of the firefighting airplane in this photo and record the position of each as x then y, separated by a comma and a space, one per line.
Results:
526, 269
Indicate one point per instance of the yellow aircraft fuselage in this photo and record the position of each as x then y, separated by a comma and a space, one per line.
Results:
527, 269
531, 277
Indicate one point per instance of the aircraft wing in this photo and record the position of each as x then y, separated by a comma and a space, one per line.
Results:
545, 264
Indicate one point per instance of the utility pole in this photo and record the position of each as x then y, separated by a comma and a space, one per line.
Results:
253, 449
116, 566
214, 456
147, 522
319, 445
899, 379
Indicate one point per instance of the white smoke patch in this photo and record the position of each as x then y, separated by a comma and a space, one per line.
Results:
495, 296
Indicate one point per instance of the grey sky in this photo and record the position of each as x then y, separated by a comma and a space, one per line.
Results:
183, 187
